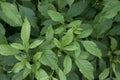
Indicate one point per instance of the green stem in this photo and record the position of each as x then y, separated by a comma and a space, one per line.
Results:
111, 72
51, 75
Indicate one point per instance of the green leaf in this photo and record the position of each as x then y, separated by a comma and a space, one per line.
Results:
3, 39
67, 64
77, 8
2, 29
70, 48
41, 75
4, 77
7, 50
26, 72
61, 3
57, 43
25, 31
101, 26
30, 14
28, 65
35, 67
54, 78
37, 56
61, 75
78, 50
72, 76
113, 43
114, 67
68, 38
103, 75
102, 64
75, 24
84, 55
85, 68
56, 16
8, 60
111, 9
10, 14
20, 58
117, 52
49, 58
70, 2
86, 30
44, 8
18, 76
18, 46
117, 74
60, 29
18, 67
92, 48
49, 33
115, 30
36, 43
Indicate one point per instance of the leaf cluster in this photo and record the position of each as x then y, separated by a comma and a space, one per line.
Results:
59, 40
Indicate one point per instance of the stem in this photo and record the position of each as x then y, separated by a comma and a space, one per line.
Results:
51, 75
27, 50
111, 72
31, 76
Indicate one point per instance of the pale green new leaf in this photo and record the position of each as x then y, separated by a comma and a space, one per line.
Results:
67, 64
68, 38
56, 16
25, 31
36, 43
10, 14
70, 48
28, 65
18, 67
41, 75
7, 50
49, 33
75, 23
103, 75
92, 48
85, 68
37, 56
54, 78
60, 29
57, 43
61, 75
18, 46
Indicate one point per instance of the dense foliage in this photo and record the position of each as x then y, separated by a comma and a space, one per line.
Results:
59, 40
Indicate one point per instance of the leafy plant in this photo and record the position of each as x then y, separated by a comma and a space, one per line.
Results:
59, 39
